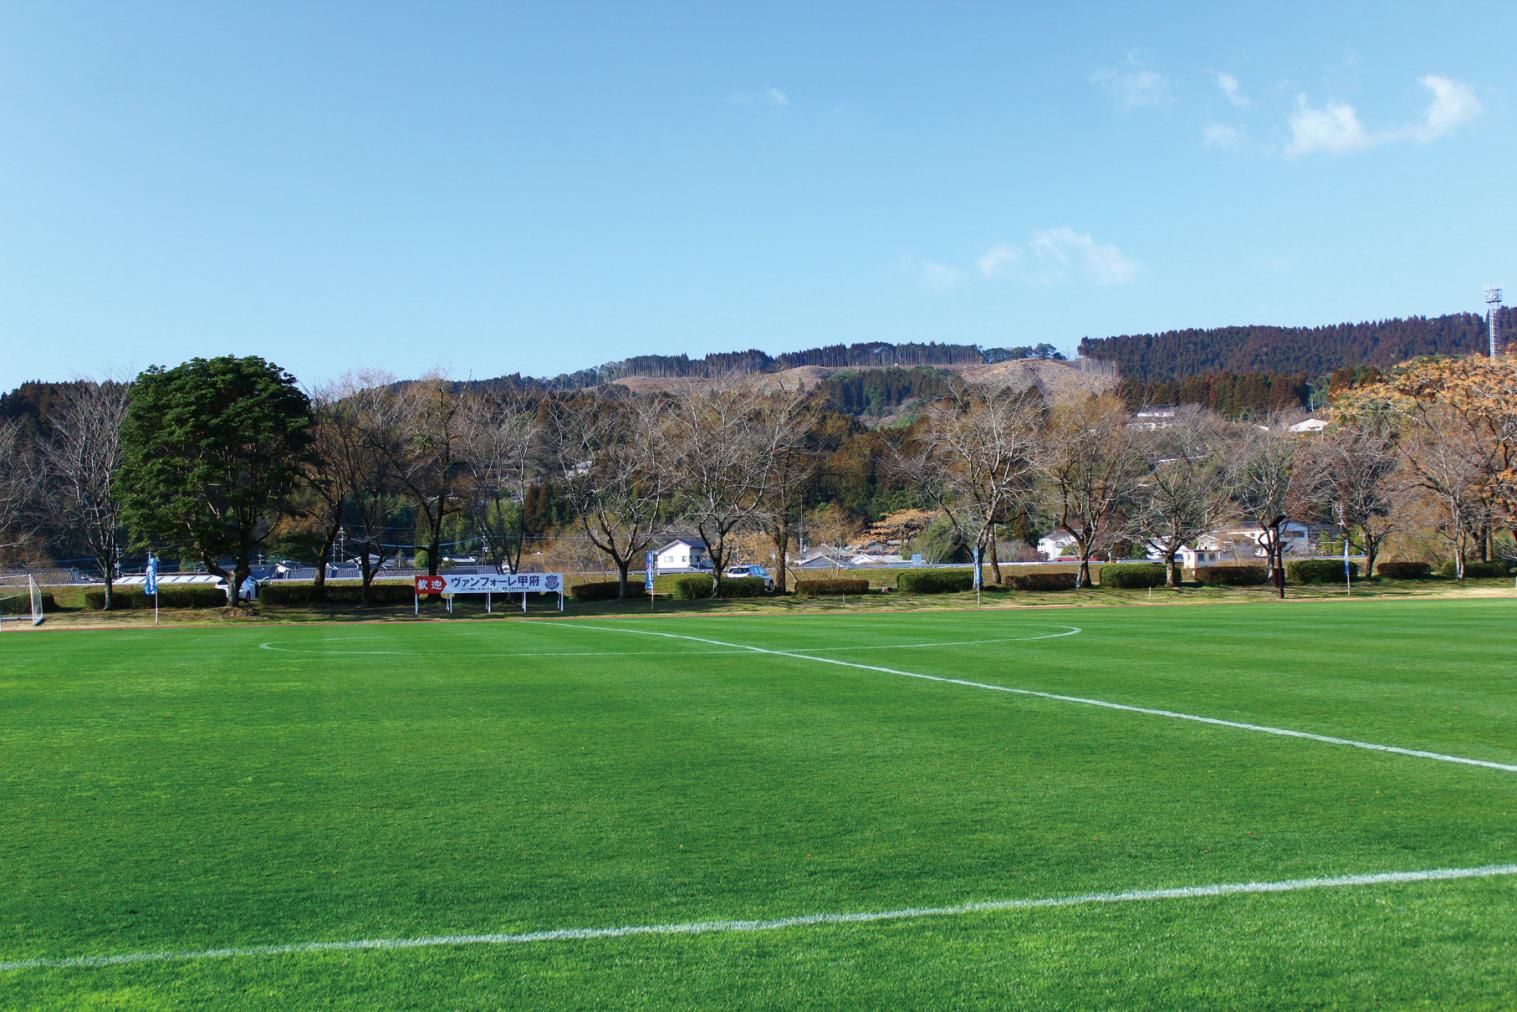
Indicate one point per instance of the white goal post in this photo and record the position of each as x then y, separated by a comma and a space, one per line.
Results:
27, 597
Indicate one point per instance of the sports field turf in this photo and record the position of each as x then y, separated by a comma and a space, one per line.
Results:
179, 791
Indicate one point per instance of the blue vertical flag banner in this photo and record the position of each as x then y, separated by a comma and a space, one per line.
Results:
648, 572
150, 588
977, 568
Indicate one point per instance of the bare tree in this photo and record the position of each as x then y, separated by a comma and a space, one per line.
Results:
16, 486
720, 457
788, 416
1360, 482
1188, 490
1276, 484
425, 422
1093, 467
1447, 466
502, 447
80, 454
607, 454
976, 457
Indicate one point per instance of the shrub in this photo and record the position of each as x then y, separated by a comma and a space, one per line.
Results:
605, 590
1319, 570
1041, 581
1232, 576
1404, 570
21, 604
129, 598
1476, 570
297, 593
935, 581
695, 588
825, 588
1130, 575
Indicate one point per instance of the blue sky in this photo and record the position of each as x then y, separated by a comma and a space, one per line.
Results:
493, 188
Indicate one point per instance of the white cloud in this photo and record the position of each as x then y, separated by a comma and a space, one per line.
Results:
998, 259
1335, 128
1064, 249
932, 275
1228, 84
1454, 104
1220, 135
768, 95
1134, 85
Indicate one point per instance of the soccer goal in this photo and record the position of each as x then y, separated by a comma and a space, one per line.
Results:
20, 600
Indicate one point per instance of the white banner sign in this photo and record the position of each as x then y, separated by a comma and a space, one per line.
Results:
514, 583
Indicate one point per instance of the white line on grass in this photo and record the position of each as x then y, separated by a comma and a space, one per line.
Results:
1283, 732
775, 924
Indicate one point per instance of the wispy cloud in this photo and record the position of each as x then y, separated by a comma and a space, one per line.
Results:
931, 274
1133, 85
1228, 85
1220, 135
1065, 251
768, 95
1334, 128
998, 259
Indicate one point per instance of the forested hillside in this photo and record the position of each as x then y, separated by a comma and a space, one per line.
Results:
1308, 351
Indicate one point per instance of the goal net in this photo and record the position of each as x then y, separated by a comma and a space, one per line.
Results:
20, 600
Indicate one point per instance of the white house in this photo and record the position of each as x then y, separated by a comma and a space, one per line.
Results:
683, 553
1244, 543
1052, 546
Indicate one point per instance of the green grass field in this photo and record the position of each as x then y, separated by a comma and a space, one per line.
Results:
184, 790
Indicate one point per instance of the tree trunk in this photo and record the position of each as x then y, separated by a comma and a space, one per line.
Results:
109, 581
319, 581
781, 549
621, 577
995, 556
366, 578
1082, 578
1171, 560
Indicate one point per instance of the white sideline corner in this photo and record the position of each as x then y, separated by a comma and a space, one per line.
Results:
776, 924
1237, 725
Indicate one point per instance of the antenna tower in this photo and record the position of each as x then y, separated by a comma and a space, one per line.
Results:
1493, 317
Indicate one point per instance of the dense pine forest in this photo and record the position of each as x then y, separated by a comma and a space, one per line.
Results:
1289, 351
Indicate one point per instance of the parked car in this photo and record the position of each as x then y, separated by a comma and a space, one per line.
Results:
752, 572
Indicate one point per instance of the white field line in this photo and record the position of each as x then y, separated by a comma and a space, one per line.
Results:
1283, 732
324, 651
775, 924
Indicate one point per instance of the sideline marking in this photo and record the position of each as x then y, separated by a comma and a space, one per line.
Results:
775, 924
1069, 630
1283, 732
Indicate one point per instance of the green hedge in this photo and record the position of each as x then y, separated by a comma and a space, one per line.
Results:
606, 590
1476, 570
132, 598
832, 587
1404, 570
1041, 581
1131, 575
298, 593
1232, 576
21, 604
696, 588
935, 581
1319, 570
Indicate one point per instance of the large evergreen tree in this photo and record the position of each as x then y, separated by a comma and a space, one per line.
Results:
211, 449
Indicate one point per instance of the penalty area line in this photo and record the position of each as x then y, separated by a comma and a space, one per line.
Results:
775, 924
1237, 725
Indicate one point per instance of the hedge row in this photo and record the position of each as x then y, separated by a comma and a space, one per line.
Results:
1404, 570
298, 593
21, 604
831, 587
1041, 581
132, 598
1475, 570
606, 590
1132, 575
935, 581
1319, 570
1232, 576
695, 588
